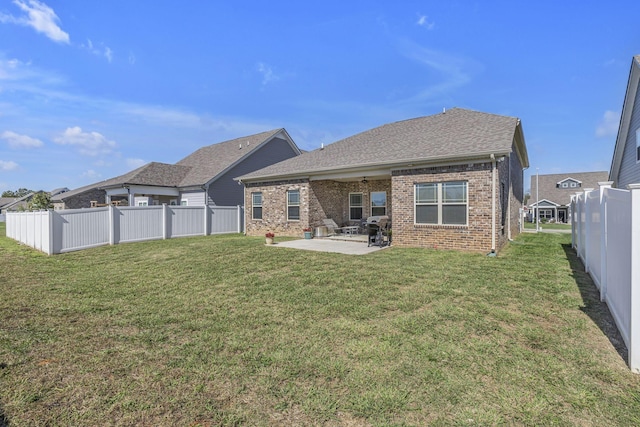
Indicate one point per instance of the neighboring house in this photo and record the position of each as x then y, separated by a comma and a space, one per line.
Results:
204, 177
553, 195
17, 203
5, 201
453, 180
625, 166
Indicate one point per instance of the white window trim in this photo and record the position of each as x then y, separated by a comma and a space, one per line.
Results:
253, 205
298, 205
439, 202
378, 207
184, 202
143, 204
354, 206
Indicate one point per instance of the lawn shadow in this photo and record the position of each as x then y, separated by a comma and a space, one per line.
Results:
4, 422
597, 310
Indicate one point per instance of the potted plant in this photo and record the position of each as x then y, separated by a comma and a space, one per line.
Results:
269, 236
308, 234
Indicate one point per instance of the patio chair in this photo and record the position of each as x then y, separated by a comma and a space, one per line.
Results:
331, 225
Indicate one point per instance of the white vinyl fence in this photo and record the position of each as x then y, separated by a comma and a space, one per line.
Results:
606, 236
55, 232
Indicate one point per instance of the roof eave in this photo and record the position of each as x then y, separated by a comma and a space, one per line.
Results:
625, 119
396, 164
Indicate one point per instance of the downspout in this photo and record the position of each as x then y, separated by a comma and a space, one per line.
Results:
493, 205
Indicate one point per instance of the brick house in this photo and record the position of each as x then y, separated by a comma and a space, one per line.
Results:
453, 180
204, 177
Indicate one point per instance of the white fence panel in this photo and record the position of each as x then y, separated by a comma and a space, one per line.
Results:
134, 224
225, 219
592, 239
76, 229
30, 228
186, 220
618, 295
608, 233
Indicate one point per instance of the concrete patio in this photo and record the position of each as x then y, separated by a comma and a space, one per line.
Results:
348, 245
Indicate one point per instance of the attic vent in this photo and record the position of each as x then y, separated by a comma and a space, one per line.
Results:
240, 146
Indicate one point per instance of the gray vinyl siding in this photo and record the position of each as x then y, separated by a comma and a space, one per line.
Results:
194, 198
227, 192
629, 167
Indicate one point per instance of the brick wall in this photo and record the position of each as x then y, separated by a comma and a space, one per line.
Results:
319, 200
476, 236
274, 208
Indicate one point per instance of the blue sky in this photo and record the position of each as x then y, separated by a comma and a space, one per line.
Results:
92, 89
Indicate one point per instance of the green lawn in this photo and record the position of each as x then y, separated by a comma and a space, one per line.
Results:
547, 226
223, 330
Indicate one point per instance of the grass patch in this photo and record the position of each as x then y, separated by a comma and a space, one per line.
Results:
226, 331
547, 226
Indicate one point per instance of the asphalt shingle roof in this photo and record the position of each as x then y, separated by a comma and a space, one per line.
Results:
196, 169
210, 161
454, 133
562, 196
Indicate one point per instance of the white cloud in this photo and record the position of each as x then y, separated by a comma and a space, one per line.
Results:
101, 50
135, 163
268, 75
38, 16
20, 141
454, 71
8, 166
608, 125
90, 143
424, 22
91, 174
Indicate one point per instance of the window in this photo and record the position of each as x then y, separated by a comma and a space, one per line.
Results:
143, 203
378, 203
184, 202
256, 205
546, 213
441, 203
574, 184
293, 205
355, 206
566, 184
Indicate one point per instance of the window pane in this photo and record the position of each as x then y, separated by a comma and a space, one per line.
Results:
454, 192
378, 211
257, 212
454, 214
379, 198
257, 199
293, 212
355, 213
355, 199
293, 197
426, 193
426, 214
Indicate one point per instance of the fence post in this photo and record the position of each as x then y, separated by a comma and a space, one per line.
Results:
165, 217
50, 232
206, 220
112, 225
587, 226
239, 218
634, 327
604, 239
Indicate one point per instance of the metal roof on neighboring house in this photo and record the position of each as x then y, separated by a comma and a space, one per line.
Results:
550, 191
456, 133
